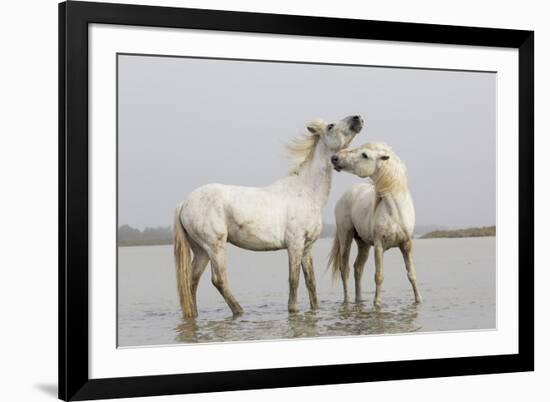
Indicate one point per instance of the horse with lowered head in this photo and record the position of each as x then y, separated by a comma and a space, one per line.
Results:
283, 215
379, 214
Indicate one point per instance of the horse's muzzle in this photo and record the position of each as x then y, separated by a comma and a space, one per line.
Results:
356, 123
334, 160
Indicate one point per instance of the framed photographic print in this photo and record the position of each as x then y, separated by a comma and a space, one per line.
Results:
257, 200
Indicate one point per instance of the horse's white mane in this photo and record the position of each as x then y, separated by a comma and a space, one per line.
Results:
392, 176
301, 149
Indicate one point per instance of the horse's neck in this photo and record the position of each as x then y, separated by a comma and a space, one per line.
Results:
316, 174
392, 186
398, 206
394, 201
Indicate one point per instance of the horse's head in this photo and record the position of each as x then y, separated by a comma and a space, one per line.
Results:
336, 136
363, 161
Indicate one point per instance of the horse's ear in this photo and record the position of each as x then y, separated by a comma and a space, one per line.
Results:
315, 127
385, 157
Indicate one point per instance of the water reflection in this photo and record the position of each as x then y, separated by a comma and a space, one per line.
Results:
303, 325
187, 331
273, 322
195, 330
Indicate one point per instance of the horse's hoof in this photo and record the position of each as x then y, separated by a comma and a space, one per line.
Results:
293, 309
419, 300
377, 303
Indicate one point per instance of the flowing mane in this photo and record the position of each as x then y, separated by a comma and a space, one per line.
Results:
392, 176
301, 149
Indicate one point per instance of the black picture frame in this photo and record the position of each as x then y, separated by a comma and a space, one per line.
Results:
74, 381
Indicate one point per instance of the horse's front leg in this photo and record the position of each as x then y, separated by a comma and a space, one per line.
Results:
379, 272
309, 275
359, 265
294, 261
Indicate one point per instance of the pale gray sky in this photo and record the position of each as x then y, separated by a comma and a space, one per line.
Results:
188, 122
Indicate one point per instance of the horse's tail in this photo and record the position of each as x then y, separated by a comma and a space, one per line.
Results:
334, 259
182, 253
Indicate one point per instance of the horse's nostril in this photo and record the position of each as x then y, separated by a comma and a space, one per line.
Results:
334, 159
356, 118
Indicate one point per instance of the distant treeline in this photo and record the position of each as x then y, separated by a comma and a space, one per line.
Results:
129, 236
470, 232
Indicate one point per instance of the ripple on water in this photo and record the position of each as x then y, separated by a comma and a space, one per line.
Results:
333, 319
271, 320
452, 300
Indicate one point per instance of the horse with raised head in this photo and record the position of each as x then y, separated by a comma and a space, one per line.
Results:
379, 214
284, 215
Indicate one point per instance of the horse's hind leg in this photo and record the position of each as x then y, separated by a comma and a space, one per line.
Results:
309, 275
406, 250
219, 279
200, 261
294, 261
359, 265
345, 245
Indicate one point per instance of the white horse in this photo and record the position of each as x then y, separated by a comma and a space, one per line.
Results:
379, 214
284, 215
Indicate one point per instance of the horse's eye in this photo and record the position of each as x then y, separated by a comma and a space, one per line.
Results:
364, 155
330, 127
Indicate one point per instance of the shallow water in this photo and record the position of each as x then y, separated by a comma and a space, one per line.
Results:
455, 276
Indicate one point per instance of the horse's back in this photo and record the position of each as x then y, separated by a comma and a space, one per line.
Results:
208, 197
